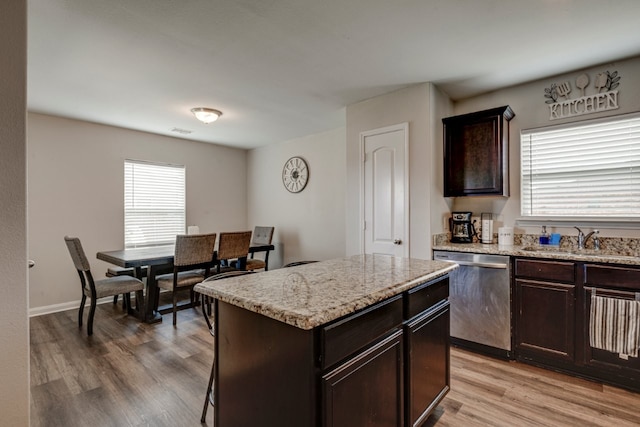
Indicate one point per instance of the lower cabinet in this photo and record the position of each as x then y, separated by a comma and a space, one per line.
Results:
428, 370
397, 380
545, 310
553, 317
368, 389
621, 284
384, 365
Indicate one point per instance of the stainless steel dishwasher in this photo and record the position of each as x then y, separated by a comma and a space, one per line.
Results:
480, 298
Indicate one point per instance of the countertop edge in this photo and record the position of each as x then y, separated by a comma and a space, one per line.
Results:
541, 252
329, 315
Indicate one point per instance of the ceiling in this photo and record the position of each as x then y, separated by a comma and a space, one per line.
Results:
281, 69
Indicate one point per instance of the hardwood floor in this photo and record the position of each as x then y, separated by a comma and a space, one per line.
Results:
133, 374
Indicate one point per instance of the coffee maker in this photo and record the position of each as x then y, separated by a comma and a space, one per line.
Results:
462, 229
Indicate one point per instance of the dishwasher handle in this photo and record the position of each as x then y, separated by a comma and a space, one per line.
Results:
496, 265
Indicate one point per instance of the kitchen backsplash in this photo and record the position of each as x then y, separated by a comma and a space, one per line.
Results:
617, 245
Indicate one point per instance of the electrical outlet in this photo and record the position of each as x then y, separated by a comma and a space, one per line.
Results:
445, 222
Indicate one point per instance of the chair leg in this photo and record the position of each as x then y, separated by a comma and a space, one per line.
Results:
81, 310
208, 398
175, 306
115, 299
92, 312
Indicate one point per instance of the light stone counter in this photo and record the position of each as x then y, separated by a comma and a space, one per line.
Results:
610, 256
314, 294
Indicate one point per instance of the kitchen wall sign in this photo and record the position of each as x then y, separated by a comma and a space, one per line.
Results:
561, 105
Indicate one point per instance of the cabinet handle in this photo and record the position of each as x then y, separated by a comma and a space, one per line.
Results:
397, 242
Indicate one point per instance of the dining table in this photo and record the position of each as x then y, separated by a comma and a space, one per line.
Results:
158, 260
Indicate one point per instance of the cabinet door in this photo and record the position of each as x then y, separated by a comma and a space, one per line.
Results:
428, 376
545, 320
367, 390
619, 282
476, 153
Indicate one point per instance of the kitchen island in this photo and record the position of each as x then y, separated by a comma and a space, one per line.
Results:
362, 340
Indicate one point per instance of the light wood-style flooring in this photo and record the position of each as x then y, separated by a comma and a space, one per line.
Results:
133, 374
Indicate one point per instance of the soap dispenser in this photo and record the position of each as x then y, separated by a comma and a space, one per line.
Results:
544, 236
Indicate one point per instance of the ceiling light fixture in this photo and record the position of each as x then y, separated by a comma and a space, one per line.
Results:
206, 115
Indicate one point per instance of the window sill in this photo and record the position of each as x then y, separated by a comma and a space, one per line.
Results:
616, 223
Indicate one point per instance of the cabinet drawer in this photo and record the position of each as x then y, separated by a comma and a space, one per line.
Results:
424, 296
348, 335
556, 271
610, 276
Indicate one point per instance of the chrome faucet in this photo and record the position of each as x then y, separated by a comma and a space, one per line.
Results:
582, 239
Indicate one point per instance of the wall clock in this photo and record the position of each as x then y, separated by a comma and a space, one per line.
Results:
295, 174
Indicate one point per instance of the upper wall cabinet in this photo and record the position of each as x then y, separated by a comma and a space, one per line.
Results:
476, 153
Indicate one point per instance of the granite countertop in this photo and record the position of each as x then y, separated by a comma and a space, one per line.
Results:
545, 251
314, 294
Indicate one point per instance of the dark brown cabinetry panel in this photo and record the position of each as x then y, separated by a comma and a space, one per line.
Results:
345, 337
613, 282
545, 309
427, 340
545, 319
368, 389
358, 370
553, 303
476, 153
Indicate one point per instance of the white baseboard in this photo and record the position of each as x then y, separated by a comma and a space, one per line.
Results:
71, 305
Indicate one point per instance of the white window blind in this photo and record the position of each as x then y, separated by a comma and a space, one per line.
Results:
590, 169
154, 203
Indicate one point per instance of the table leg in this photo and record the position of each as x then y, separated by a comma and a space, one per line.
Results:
151, 315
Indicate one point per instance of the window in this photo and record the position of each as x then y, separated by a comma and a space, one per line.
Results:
154, 203
590, 169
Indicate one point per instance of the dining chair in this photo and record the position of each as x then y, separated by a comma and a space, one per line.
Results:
191, 265
95, 289
233, 250
123, 271
209, 396
262, 236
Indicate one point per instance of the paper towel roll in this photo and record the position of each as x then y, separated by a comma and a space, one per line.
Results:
487, 231
505, 236
193, 229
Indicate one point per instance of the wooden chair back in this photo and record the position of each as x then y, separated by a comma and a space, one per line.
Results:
234, 245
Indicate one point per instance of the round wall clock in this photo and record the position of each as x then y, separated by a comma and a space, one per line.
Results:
295, 174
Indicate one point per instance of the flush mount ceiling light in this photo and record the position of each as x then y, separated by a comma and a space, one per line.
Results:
206, 115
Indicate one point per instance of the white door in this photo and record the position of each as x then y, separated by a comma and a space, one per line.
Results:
385, 192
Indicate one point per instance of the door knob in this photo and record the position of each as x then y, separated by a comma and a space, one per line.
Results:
397, 242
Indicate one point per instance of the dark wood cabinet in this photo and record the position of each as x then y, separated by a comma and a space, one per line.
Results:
545, 310
476, 153
617, 282
427, 340
553, 308
367, 390
384, 365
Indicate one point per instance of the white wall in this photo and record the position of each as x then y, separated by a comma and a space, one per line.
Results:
310, 225
413, 105
528, 103
14, 333
76, 184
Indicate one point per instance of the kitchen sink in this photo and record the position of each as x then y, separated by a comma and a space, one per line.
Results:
549, 249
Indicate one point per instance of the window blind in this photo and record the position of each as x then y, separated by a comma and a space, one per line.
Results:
154, 203
590, 169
